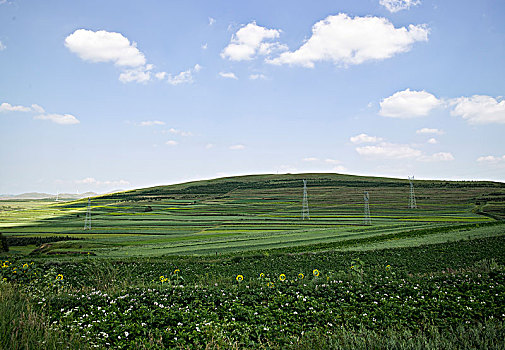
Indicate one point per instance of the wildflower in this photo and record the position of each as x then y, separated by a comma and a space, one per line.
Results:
177, 271
262, 275
59, 277
282, 277
301, 276
315, 272
239, 278
25, 266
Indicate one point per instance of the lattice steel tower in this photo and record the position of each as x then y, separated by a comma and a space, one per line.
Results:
367, 220
305, 206
87, 221
412, 198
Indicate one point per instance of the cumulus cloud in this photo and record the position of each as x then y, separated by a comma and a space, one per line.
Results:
237, 147
257, 76
364, 138
2, 46
491, 159
63, 119
204, 46
409, 104
310, 159
103, 46
140, 74
228, 75
211, 21
437, 157
93, 181
184, 77
7, 107
172, 143
430, 131
332, 161
432, 141
345, 41
151, 123
389, 150
250, 41
479, 109
179, 132
398, 5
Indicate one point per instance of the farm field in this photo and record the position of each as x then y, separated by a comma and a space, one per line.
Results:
228, 263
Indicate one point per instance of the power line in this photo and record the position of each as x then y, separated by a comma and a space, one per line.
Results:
367, 220
305, 205
87, 221
412, 198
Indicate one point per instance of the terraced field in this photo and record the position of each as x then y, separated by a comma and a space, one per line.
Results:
258, 212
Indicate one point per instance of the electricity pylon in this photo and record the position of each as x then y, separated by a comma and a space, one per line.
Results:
412, 198
87, 221
367, 220
305, 205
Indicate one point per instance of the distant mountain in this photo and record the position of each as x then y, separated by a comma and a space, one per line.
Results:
38, 195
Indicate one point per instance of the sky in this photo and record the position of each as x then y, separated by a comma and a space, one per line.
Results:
107, 95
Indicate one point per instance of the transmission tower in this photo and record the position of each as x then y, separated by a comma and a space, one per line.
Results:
367, 220
412, 198
305, 206
87, 221
57, 196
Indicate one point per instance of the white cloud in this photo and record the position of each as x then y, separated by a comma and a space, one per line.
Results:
332, 161
63, 119
491, 159
172, 143
140, 75
151, 123
7, 107
160, 75
432, 141
250, 41
204, 46
184, 77
179, 132
257, 76
364, 138
389, 150
398, 5
340, 169
429, 131
437, 157
345, 41
409, 104
310, 159
37, 109
237, 147
479, 109
2, 46
211, 21
103, 46
93, 181
229, 75
209, 146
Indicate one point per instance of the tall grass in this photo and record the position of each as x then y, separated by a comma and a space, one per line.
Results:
22, 327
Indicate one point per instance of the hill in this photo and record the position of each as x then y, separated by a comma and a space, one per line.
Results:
259, 212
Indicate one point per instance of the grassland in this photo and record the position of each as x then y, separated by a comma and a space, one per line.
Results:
228, 263
250, 213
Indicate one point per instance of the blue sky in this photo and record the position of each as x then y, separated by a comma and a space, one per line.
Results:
99, 95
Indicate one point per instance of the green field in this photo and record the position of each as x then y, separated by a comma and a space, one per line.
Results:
229, 263
251, 213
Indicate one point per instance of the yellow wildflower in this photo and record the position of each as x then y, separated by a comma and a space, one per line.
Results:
282, 277
315, 272
301, 276
239, 278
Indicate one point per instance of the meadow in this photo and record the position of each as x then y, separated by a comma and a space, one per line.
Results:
228, 263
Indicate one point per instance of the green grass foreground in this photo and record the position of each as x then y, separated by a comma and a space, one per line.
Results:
446, 295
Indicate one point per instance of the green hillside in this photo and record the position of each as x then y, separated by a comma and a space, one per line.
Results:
258, 212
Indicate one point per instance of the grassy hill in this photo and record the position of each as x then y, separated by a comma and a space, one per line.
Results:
258, 212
